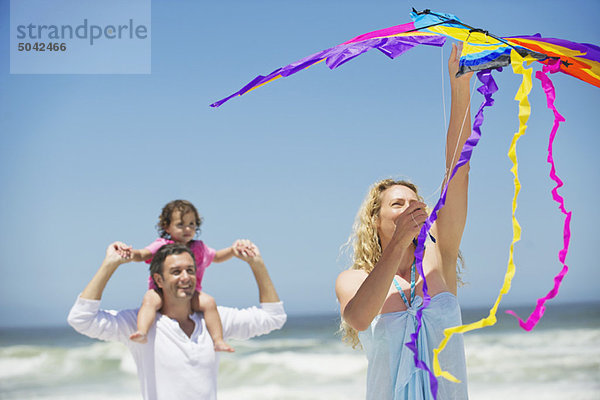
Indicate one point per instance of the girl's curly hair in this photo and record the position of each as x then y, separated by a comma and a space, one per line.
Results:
166, 215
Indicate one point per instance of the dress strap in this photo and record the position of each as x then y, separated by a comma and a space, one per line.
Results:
412, 286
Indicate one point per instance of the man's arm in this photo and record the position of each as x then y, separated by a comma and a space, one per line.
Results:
266, 290
117, 253
87, 318
254, 321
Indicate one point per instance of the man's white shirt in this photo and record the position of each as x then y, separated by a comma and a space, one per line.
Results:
172, 365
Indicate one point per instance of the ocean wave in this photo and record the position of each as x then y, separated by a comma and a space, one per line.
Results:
307, 392
327, 364
546, 364
292, 368
532, 391
277, 344
84, 394
565, 355
55, 365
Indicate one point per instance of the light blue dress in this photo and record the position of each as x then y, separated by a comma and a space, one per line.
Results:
392, 374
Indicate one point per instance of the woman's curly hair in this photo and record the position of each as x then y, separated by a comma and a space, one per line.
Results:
365, 240
366, 244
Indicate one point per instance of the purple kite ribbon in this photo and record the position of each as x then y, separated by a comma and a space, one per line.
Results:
487, 89
548, 87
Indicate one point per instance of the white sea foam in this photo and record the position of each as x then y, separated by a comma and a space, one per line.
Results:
84, 395
532, 391
21, 360
565, 355
279, 392
25, 366
276, 344
322, 365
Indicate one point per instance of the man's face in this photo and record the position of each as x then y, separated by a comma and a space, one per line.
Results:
178, 280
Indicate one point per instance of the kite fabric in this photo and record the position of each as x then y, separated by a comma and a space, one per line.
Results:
481, 50
392, 42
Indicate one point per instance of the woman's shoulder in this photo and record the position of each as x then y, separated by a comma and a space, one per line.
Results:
351, 277
353, 273
347, 284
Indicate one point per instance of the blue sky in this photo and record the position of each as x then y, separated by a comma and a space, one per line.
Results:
89, 159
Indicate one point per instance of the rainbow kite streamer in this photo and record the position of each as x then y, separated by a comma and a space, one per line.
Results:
481, 52
524, 112
550, 96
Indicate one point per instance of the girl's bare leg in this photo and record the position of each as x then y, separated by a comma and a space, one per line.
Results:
151, 303
206, 304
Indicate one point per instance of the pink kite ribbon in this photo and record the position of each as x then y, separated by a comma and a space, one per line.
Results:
536, 315
488, 88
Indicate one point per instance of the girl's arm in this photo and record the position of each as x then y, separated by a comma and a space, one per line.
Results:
223, 254
128, 254
141, 255
451, 220
240, 248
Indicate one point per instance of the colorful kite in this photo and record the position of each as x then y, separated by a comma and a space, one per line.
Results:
481, 52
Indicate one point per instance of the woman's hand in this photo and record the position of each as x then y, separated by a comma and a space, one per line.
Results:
409, 223
453, 66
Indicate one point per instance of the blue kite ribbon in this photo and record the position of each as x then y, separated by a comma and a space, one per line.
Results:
487, 89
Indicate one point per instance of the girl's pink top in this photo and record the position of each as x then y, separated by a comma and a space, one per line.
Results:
204, 256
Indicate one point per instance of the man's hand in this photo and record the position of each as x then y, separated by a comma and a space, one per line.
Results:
245, 250
117, 253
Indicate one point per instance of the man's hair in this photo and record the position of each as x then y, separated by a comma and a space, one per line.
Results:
158, 261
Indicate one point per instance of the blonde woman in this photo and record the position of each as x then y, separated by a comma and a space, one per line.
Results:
380, 294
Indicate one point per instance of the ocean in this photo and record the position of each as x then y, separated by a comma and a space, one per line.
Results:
559, 359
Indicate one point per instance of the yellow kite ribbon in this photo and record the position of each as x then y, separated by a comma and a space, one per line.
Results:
524, 112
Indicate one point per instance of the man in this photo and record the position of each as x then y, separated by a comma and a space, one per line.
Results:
179, 361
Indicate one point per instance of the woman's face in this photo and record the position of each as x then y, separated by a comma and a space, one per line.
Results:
394, 200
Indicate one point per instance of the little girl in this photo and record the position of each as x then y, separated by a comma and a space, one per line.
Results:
178, 223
